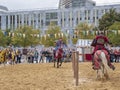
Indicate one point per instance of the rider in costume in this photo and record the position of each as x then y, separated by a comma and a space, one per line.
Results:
99, 44
59, 44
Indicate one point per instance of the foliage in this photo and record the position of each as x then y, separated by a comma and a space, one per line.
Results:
52, 34
2, 39
111, 22
115, 26
114, 38
26, 36
108, 19
82, 29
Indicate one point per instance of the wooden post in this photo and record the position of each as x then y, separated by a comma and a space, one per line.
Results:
75, 64
76, 67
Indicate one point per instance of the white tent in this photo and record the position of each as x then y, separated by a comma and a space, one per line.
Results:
83, 47
83, 43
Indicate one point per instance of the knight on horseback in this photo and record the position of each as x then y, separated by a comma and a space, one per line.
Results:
99, 44
58, 51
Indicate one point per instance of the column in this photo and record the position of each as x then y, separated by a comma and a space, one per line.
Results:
22, 19
3, 22
74, 18
16, 21
36, 18
29, 19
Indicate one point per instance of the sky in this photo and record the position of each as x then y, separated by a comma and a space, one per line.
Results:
43, 4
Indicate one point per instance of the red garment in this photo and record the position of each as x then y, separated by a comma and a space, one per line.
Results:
97, 61
100, 46
96, 58
59, 53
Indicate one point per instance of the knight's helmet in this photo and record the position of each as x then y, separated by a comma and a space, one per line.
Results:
101, 32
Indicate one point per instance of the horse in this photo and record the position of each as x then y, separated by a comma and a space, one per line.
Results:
100, 58
58, 57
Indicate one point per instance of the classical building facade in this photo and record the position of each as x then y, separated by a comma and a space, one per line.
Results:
67, 16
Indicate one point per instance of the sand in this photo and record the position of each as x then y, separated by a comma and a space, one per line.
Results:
44, 76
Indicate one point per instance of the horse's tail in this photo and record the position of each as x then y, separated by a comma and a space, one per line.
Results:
104, 60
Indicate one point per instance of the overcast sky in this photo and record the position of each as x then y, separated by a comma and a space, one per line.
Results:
33, 4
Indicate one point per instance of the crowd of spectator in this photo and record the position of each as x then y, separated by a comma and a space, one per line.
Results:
115, 55
46, 55
36, 55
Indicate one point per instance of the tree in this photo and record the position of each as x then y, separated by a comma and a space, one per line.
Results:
82, 30
115, 26
25, 36
8, 39
108, 19
2, 39
53, 33
114, 37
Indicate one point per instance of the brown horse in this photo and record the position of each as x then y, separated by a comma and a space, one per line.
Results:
58, 57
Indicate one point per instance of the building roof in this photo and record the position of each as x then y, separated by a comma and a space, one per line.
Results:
3, 8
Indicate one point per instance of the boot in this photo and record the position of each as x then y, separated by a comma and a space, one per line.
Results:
109, 62
92, 59
111, 66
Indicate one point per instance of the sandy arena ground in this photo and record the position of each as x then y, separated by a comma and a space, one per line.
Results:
45, 77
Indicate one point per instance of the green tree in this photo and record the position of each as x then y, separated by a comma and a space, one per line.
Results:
53, 33
82, 29
115, 26
108, 19
26, 36
8, 39
2, 39
114, 37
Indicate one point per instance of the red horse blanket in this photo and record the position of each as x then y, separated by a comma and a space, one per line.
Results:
97, 59
59, 53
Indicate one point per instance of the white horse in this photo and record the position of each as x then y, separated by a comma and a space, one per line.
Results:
102, 72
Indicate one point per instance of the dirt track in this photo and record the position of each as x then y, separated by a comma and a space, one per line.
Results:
46, 77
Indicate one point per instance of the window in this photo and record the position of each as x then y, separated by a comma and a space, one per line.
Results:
51, 16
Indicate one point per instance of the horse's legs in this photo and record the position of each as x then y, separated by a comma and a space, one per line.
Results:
54, 61
58, 60
100, 73
98, 77
106, 74
4, 63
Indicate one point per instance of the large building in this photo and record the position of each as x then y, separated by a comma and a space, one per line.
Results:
69, 14
75, 3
